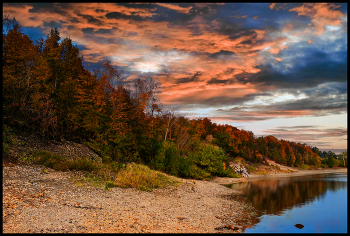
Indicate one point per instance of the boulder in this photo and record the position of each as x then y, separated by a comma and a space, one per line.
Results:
240, 169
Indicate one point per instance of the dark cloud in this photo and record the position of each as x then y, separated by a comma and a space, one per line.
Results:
325, 89
48, 7
250, 10
99, 31
88, 30
90, 19
74, 20
194, 78
249, 41
309, 72
137, 5
118, 41
118, 15
217, 81
206, 12
230, 29
104, 31
243, 117
70, 27
306, 133
53, 24
132, 34
99, 10
221, 54
311, 103
298, 127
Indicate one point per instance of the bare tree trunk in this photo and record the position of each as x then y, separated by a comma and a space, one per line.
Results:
171, 116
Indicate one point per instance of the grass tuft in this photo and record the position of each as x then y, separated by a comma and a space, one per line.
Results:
142, 177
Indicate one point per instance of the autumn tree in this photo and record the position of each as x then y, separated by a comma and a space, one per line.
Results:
19, 57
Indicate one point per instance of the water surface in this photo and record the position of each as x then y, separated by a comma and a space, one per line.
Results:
317, 202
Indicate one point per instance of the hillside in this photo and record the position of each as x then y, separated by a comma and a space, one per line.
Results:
50, 94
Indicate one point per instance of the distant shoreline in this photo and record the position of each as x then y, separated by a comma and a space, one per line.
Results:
337, 151
222, 180
301, 173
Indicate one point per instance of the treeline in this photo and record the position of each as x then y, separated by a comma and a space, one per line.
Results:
47, 90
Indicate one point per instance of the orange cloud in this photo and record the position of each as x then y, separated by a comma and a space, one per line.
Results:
278, 59
274, 50
321, 14
171, 51
175, 7
277, 6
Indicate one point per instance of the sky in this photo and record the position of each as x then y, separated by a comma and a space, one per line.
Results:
271, 68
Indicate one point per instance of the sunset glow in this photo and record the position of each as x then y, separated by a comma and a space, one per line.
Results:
270, 68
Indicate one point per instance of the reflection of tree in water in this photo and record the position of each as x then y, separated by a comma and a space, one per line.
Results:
273, 196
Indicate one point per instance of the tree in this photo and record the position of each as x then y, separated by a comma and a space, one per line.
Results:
330, 162
171, 119
345, 154
19, 58
7, 24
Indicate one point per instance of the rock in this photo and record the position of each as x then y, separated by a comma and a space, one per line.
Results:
299, 226
240, 169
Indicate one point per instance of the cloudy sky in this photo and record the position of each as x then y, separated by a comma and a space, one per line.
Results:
270, 68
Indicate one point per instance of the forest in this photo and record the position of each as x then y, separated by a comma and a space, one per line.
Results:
48, 90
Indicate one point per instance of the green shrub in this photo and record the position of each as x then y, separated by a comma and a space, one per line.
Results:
330, 162
8, 140
251, 169
304, 167
230, 172
205, 161
168, 159
323, 166
62, 163
111, 184
141, 177
211, 158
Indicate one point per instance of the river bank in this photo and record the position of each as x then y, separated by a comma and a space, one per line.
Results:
50, 202
37, 202
293, 172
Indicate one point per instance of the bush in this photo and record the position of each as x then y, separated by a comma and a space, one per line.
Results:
211, 158
229, 172
61, 163
331, 162
141, 177
251, 169
203, 162
323, 166
8, 140
304, 167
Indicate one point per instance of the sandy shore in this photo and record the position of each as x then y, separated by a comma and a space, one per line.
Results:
295, 172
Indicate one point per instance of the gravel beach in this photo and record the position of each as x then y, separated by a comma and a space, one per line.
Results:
35, 202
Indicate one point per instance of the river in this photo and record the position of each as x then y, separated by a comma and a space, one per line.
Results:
300, 204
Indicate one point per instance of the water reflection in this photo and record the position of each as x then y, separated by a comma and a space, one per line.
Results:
273, 196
